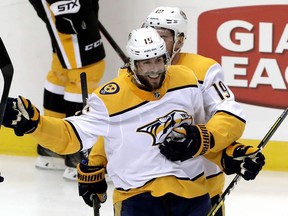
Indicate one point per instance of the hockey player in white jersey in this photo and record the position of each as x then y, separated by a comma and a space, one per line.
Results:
135, 113
223, 114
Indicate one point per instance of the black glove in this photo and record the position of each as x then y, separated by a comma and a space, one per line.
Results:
186, 142
91, 182
21, 115
73, 16
246, 161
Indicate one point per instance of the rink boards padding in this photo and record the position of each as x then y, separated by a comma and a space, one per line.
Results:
275, 151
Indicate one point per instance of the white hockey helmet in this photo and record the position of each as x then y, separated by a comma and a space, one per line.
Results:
145, 43
170, 18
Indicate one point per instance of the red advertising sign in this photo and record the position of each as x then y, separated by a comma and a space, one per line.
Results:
251, 44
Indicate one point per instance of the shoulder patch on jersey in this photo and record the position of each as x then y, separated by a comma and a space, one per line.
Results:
110, 88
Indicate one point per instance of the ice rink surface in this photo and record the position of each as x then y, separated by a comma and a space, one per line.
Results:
28, 191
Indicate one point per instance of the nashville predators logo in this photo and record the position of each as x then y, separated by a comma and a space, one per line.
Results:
110, 88
160, 128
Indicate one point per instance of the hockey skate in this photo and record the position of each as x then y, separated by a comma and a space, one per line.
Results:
49, 160
71, 162
70, 173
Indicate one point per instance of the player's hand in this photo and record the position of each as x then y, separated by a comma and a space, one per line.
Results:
84, 111
73, 17
186, 142
91, 182
21, 115
246, 161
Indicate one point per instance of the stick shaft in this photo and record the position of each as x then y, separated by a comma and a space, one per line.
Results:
7, 72
84, 88
272, 130
237, 178
96, 206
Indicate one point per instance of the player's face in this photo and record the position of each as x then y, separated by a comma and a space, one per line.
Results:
168, 37
151, 72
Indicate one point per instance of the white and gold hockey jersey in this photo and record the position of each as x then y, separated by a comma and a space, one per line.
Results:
223, 115
134, 123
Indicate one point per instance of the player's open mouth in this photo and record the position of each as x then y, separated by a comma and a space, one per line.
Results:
154, 76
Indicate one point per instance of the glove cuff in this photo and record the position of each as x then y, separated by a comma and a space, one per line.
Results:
90, 174
91, 183
206, 140
238, 150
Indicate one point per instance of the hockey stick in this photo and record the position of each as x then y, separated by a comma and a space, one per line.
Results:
96, 206
237, 178
84, 90
7, 72
112, 42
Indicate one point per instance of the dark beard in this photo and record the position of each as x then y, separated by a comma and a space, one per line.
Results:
147, 85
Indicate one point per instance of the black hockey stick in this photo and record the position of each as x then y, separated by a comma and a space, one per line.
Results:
96, 205
237, 178
84, 90
112, 42
7, 72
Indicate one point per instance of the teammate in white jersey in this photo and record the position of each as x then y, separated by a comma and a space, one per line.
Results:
227, 117
135, 113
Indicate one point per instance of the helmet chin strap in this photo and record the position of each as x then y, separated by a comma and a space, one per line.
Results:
135, 77
174, 52
173, 55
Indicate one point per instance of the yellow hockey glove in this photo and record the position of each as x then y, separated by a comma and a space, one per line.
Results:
91, 182
246, 161
21, 115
